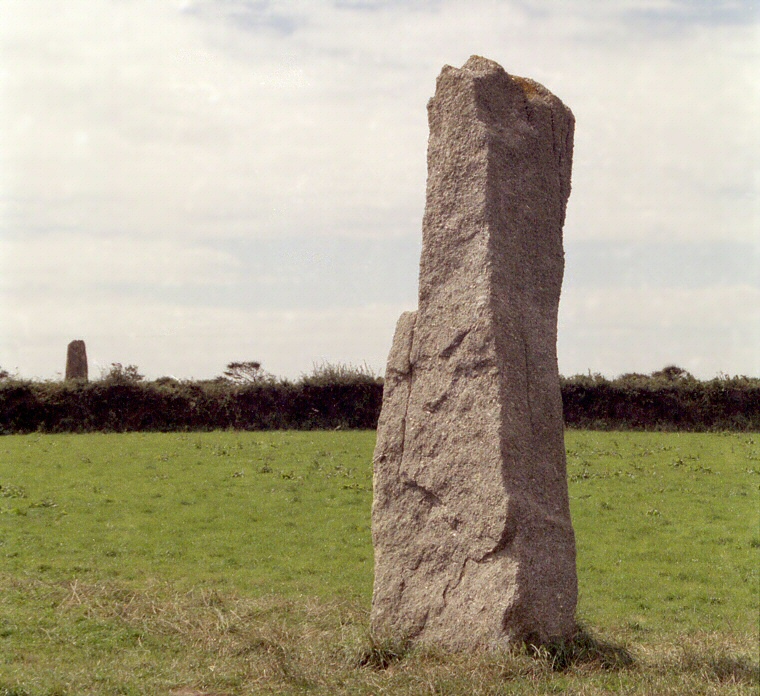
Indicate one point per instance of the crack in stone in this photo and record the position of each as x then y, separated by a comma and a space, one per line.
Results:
557, 158
456, 583
427, 495
433, 406
448, 351
505, 540
508, 535
410, 383
528, 400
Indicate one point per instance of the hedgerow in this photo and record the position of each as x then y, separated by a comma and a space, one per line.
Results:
351, 399
122, 401
661, 401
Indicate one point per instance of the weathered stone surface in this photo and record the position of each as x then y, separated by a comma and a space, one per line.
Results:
474, 545
76, 361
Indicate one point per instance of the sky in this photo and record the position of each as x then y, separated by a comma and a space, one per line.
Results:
184, 184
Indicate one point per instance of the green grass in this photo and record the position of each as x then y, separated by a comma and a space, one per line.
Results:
254, 512
237, 563
668, 529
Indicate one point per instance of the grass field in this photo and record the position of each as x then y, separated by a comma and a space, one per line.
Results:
241, 563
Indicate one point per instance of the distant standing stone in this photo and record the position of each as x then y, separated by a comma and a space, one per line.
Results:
474, 545
76, 361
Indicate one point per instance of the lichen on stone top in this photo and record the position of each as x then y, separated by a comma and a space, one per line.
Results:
531, 89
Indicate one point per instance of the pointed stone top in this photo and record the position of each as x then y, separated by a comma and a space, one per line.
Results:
479, 67
482, 65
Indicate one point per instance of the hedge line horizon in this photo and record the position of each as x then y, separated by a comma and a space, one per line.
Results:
253, 372
347, 397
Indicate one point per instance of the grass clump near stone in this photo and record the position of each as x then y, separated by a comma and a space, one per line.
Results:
241, 563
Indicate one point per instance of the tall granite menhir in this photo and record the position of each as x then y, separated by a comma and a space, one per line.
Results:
474, 546
76, 361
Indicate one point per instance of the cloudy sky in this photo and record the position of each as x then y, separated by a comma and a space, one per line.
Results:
188, 183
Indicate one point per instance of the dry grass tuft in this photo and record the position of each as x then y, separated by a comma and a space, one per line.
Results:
381, 654
711, 658
204, 642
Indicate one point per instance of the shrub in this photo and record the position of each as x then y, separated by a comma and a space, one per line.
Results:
339, 373
249, 372
118, 374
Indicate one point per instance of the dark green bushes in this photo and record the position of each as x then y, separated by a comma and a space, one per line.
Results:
168, 405
662, 401
343, 398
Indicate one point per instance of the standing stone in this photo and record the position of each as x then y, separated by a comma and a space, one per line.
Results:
474, 545
76, 361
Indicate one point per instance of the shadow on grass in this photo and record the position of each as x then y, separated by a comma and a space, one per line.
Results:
582, 649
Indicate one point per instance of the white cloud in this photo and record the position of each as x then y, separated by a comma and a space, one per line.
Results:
137, 119
135, 137
72, 265
704, 330
160, 337
668, 147
144, 118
